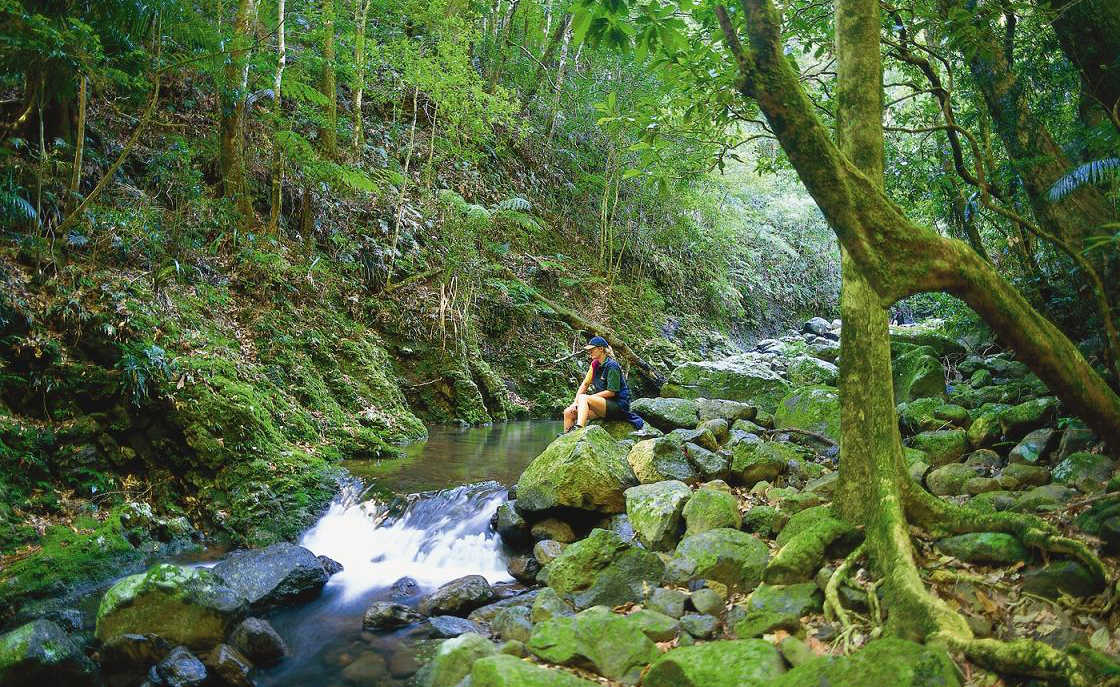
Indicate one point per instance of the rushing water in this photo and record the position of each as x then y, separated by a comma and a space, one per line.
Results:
455, 483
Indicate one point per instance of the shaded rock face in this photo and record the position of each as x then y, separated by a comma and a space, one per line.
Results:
603, 569
583, 469
39, 654
739, 378
730, 663
917, 373
276, 575
257, 639
458, 597
189, 606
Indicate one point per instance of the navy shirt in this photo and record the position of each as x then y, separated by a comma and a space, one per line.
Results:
609, 376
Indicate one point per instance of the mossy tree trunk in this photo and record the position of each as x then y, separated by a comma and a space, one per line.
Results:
329, 132
1089, 31
278, 109
233, 96
360, 76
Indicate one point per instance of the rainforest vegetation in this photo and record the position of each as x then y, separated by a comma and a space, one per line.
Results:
245, 244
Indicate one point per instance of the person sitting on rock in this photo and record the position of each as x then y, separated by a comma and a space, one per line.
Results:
610, 396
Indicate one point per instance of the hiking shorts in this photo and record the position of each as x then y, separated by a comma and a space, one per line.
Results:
615, 411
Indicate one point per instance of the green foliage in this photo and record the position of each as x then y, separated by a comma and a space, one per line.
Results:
1092, 172
143, 367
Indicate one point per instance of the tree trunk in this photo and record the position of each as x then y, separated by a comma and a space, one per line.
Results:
554, 41
558, 86
79, 140
360, 77
503, 47
329, 133
1089, 31
234, 92
277, 83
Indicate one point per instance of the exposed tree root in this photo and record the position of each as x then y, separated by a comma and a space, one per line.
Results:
833, 609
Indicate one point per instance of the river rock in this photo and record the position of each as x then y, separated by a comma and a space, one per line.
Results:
754, 460
602, 569
388, 615
503, 670
513, 623
894, 662
180, 668
1089, 472
511, 527
553, 528
1034, 447
453, 660
949, 480
229, 666
1017, 420
728, 556
655, 512
806, 370
739, 378
279, 574
1061, 577
256, 639
727, 663
718, 408
524, 569
369, 668
942, 446
709, 509
458, 597
667, 414
41, 653
189, 606
447, 626
403, 588
613, 645
330, 565
583, 469
984, 547
917, 373
656, 460
707, 464
814, 409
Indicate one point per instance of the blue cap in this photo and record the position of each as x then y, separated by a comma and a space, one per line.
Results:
596, 341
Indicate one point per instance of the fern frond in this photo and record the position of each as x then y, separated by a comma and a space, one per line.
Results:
515, 203
521, 219
1092, 172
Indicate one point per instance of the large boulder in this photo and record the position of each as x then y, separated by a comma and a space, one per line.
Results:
503, 670
40, 653
940, 447
612, 645
709, 509
949, 480
723, 409
738, 378
256, 639
1089, 472
655, 512
603, 569
189, 606
943, 346
453, 660
584, 469
814, 408
917, 373
458, 597
667, 414
754, 459
728, 556
1017, 420
894, 662
806, 370
728, 663
278, 574
656, 460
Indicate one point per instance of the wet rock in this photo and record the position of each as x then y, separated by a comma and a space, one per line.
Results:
1061, 577
511, 527
447, 626
657, 460
814, 409
330, 565
189, 606
1034, 447
41, 653
667, 601
458, 597
279, 574
949, 479
984, 547
655, 512
1089, 472
894, 662
941, 446
707, 601
711, 408
368, 669
602, 569
404, 588
613, 645
523, 568
728, 556
583, 469
387, 615
513, 623
403, 664
700, 625
256, 639
1017, 420
503, 670
127, 657
727, 663
180, 668
229, 666
546, 551
755, 460
709, 509
917, 373
548, 604
741, 378
667, 414
555, 529
453, 660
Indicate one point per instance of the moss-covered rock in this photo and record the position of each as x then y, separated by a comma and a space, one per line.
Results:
985, 428
917, 373
583, 469
698, 436
40, 653
723, 409
984, 547
1062, 577
728, 663
453, 660
708, 464
1034, 447
1021, 476
656, 460
918, 415
1020, 419
943, 346
602, 569
188, 606
667, 414
754, 460
709, 509
612, 645
740, 378
503, 670
657, 626
949, 479
815, 409
806, 370
941, 446
894, 662
655, 512
796, 599
804, 542
1089, 472
728, 556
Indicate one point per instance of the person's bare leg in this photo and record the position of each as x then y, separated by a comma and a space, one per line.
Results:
570, 416
590, 407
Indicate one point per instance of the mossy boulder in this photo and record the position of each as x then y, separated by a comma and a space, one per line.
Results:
707, 464
453, 660
710, 509
655, 512
189, 606
727, 663
984, 547
985, 428
950, 479
701, 437
583, 469
657, 626
917, 373
602, 569
894, 662
1034, 447
612, 645
796, 599
739, 378
503, 670
728, 556
942, 345
656, 460
1062, 577
723, 409
918, 415
1020, 419
941, 446
806, 370
754, 460
1089, 472
815, 409
667, 414
1021, 475
41, 653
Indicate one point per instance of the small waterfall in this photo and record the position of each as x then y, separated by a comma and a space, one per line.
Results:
437, 537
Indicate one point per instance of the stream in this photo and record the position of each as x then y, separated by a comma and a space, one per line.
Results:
456, 480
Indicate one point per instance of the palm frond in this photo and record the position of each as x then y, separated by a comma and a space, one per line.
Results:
1092, 172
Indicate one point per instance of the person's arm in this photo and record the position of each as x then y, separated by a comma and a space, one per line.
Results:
585, 383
